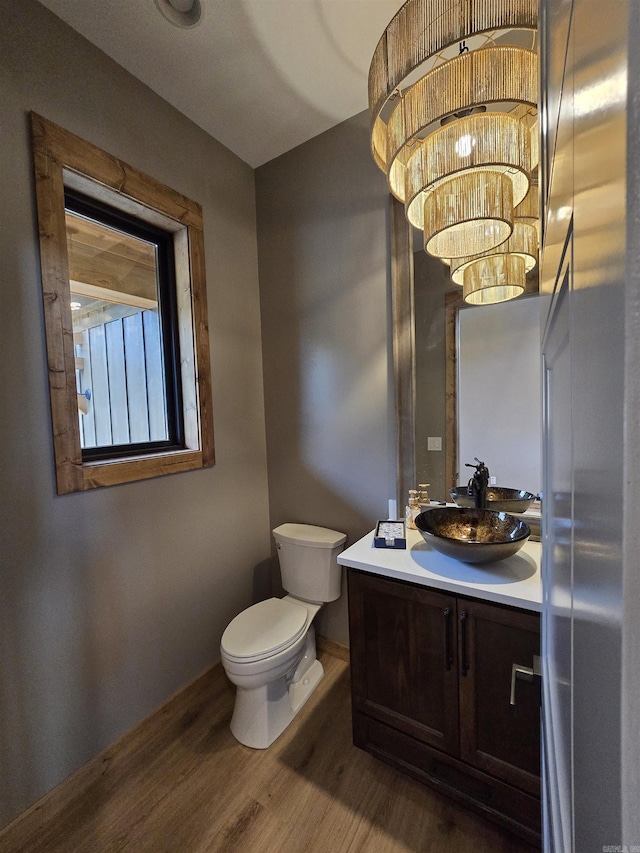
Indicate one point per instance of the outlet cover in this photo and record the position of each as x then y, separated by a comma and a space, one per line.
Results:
434, 442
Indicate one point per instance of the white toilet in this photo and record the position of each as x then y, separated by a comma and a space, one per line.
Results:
269, 650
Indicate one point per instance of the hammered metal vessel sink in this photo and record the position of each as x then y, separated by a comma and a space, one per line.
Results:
498, 498
472, 535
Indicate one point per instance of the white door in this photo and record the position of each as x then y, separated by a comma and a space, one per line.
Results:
585, 348
557, 571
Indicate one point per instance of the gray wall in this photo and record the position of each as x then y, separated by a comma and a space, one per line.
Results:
112, 600
322, 242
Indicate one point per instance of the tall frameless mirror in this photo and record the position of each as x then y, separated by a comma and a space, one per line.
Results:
469, 377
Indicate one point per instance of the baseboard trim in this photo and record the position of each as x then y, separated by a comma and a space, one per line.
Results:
332, 648
55, 800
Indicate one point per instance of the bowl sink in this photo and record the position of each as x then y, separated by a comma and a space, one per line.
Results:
472, 535
498, 498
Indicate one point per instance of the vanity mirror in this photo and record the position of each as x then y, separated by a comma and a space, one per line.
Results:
467, 378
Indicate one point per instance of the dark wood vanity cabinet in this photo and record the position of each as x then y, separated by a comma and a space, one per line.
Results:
431, 682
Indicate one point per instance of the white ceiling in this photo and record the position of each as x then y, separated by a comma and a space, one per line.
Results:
261, 76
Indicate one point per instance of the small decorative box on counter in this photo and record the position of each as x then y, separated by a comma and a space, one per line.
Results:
390, 534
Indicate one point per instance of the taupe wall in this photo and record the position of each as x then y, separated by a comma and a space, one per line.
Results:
112, 600
322, 242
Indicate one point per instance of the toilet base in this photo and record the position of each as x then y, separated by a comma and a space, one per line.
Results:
261, 714
300, 692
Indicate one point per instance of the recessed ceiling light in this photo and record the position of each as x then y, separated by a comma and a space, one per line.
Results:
181, 13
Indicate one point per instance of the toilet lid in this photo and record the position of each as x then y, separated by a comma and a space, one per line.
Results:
264, 629
309, 535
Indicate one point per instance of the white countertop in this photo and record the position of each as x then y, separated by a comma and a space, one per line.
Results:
514, 581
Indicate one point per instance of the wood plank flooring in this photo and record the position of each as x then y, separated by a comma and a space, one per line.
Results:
180, 783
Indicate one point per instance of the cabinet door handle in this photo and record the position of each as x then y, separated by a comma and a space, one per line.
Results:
464, 665
447, 638
527, 673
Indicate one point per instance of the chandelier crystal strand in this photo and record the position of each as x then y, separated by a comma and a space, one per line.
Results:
535, 142
529, 210
497, 142
523, 242
505, 75
493, 279
469, 214
422, 30
453, 92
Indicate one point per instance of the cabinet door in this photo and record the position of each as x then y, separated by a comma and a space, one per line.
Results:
495, 736
403, 658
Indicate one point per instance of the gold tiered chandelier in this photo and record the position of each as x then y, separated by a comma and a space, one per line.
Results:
453, 92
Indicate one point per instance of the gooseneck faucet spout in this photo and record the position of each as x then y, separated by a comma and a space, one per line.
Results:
477, 486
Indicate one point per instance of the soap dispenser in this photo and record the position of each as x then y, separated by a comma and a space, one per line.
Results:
412, 510
423, 494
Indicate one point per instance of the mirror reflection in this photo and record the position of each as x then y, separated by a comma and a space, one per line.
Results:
476, 376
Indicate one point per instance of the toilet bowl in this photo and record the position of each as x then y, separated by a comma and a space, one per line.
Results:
272, 683
268, 651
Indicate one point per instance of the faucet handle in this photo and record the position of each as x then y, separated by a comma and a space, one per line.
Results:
479, 466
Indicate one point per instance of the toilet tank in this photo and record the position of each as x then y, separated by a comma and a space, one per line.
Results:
308, 561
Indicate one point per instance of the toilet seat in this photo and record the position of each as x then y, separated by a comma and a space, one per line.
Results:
263, 630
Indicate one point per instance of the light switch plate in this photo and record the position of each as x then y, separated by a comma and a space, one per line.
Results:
434, 442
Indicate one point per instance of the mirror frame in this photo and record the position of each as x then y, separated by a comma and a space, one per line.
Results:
402, 310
